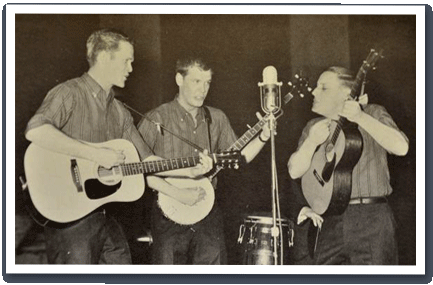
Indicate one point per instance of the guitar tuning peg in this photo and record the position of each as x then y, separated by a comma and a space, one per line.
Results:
236, 166
296, 76
290, 83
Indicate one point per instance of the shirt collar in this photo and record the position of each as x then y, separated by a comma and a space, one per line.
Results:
183, 113
96, 89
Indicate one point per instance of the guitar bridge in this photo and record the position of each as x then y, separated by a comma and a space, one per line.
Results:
319, 179
76, 178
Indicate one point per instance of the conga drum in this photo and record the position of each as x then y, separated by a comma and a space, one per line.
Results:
255, 237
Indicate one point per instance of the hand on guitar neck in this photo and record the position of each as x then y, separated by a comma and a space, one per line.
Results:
352, 111
204, 166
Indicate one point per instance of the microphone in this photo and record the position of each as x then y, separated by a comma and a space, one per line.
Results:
270, 91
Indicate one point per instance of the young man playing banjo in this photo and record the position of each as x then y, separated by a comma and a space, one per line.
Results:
199, 241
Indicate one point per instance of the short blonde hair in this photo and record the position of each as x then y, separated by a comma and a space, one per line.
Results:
104, 40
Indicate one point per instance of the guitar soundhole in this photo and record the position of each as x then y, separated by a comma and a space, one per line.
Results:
96, 190
329, 147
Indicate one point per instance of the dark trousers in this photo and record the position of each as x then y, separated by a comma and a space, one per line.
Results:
201, 243
96, 239
362, 235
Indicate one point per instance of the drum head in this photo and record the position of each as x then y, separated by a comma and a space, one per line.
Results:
264, 218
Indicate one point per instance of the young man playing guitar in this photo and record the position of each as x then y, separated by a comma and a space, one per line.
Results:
81, 111
364, 233
208, 128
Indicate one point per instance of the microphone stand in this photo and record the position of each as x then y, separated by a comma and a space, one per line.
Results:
276, 231
270, 99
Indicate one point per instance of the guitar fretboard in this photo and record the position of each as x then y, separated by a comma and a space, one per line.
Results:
158, 165
358, 80
151, 166
242, 142
248, 136
354, 93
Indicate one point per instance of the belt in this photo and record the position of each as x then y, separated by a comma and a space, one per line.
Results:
368, 200
101, 210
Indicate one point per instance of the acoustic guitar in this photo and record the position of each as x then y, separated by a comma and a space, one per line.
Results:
64, 189
327, 184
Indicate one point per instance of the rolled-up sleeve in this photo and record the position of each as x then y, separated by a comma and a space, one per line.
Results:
147, 130
55, 109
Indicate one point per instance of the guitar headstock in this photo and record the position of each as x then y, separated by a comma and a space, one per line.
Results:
228, 159
299, 87
372, 58
368, 64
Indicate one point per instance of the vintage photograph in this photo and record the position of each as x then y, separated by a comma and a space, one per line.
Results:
176, 138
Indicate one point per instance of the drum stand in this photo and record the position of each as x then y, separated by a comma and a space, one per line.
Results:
276, 231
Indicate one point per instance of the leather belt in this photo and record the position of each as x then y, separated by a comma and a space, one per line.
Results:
368, 200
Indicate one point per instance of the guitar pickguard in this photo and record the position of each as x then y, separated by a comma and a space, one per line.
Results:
96, 190
328, 169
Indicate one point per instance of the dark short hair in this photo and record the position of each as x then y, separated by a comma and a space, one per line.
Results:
184, 64
345, 75
104, 40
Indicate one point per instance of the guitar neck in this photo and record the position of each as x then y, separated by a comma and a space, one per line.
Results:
248, 136
148, 167
354, 94
354, 91
242, 142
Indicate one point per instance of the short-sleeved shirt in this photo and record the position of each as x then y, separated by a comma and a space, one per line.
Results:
176, 119
370, 176
81, 109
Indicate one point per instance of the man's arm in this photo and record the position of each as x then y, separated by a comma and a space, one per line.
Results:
300, 160
389, 138
43, 129
256, 145
188, 196
51, 138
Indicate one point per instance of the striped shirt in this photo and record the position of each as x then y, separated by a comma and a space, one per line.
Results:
81, 109
370, 176
176, 119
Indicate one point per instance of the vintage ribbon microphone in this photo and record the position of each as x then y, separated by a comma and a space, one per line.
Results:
270, 97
